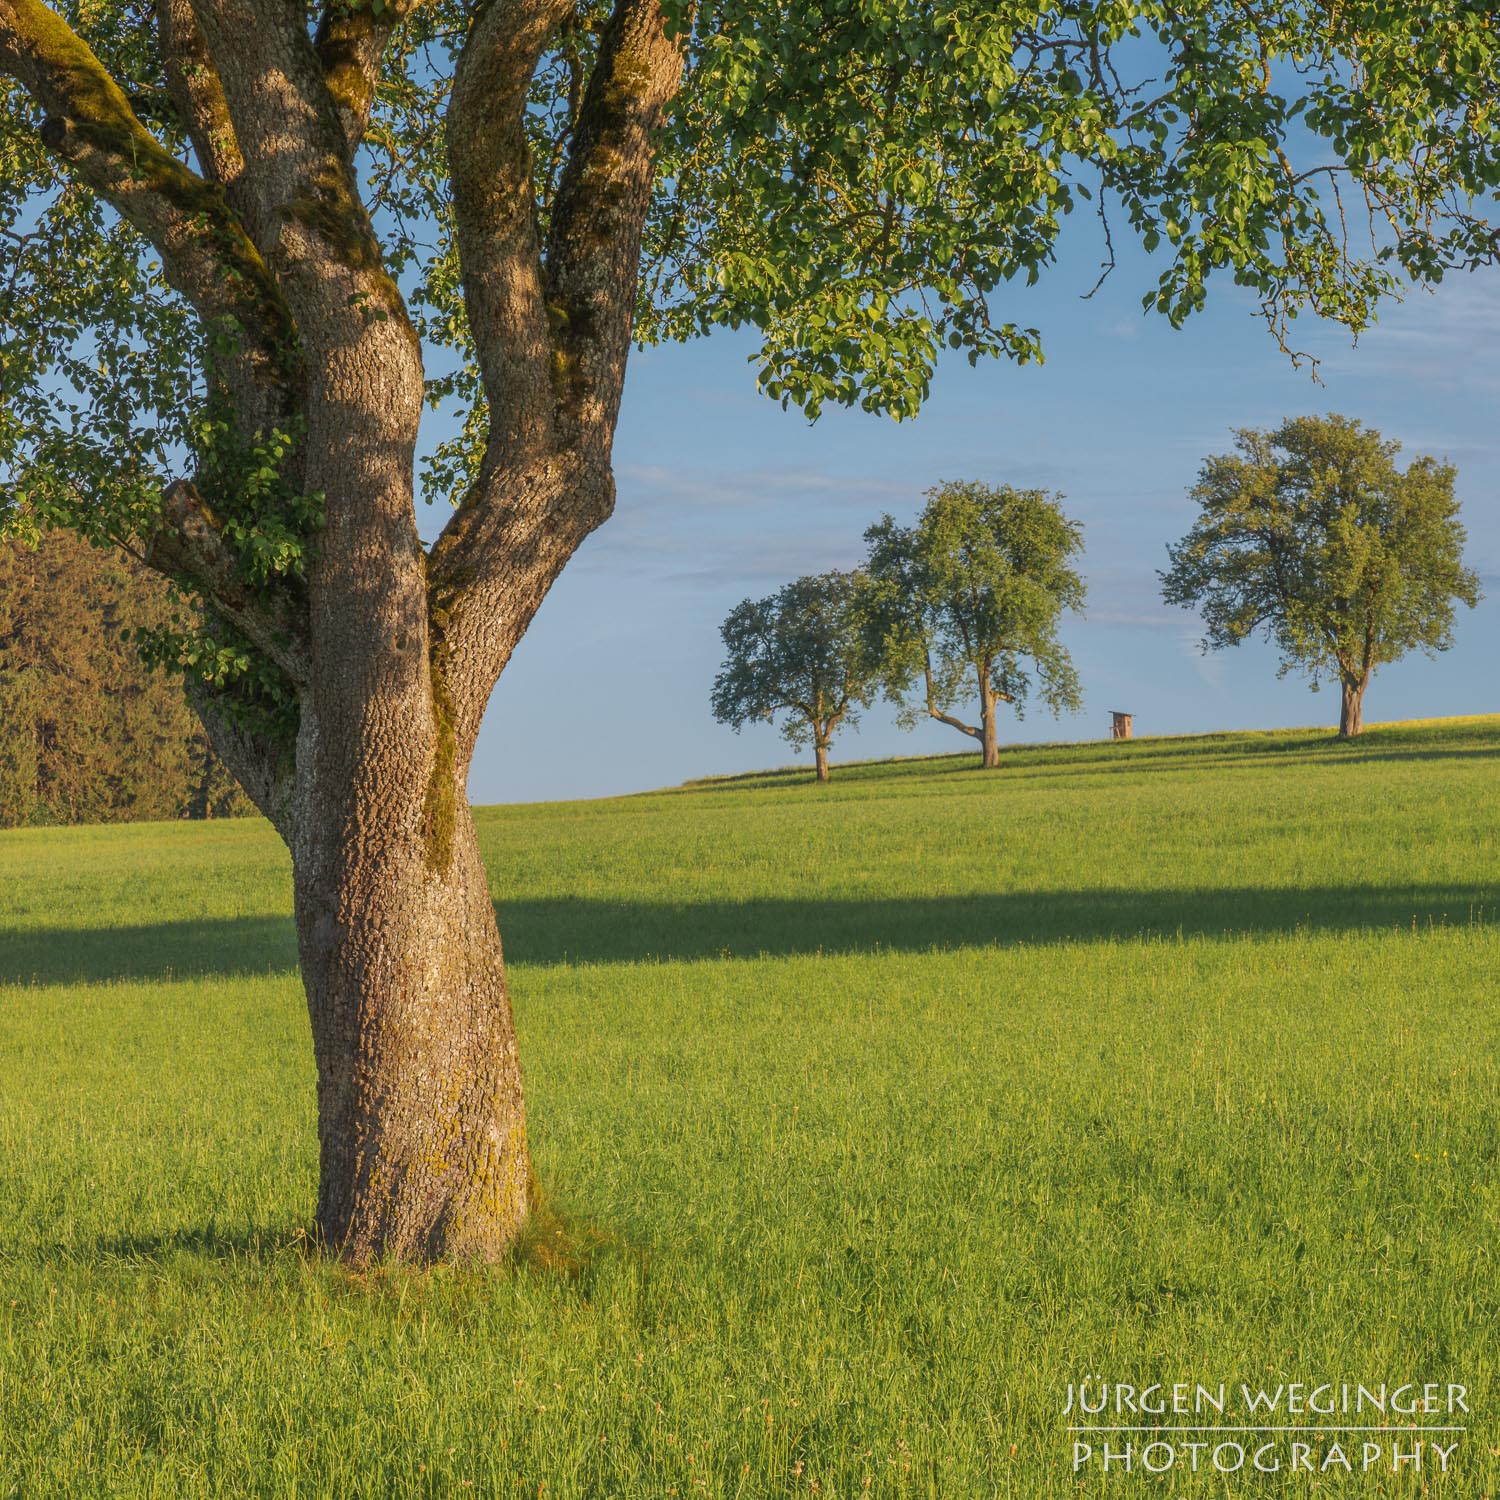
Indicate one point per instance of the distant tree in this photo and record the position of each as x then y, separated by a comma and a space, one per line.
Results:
799, 653
961, 599
1312, 535
88, 733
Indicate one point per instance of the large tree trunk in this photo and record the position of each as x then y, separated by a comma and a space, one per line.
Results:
421, 1124
1352, 707
820, 751
422, 1138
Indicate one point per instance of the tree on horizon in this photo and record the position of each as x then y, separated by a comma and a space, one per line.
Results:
968, 596
1310, 535
799, 653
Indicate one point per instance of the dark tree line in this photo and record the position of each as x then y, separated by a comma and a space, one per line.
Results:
89, 733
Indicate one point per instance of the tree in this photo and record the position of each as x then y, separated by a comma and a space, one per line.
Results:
962, 598
801, 653
247, 242
90, 733
1312, 535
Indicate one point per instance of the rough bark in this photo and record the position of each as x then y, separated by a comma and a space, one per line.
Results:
421, 1120
266, 771
820, 752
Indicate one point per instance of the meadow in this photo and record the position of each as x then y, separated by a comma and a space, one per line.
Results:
870, 1117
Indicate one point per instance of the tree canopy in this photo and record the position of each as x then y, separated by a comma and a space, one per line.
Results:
964, 598
799, 654
1312, 535
858, 182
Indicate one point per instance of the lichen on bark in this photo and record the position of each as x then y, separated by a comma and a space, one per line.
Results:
440, 807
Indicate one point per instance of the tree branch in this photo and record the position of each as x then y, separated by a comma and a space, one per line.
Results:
263, 768
350, 44
198, 95
190, 546
206, 253
957, 724
935, 712
495, 222
494, 563
552, 344
594, 244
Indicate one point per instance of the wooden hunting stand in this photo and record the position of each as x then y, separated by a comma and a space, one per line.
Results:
1119, 728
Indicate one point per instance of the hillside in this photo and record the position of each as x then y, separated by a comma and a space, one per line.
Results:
870, 1117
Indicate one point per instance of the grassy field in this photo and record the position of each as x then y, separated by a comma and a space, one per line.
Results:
876, 1114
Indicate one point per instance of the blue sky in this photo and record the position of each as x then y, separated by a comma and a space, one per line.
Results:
724, 495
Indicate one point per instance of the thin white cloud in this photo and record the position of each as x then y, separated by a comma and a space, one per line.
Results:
1446, 338
658, 484
1208, 666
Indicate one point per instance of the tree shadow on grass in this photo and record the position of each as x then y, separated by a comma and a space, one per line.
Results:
563, 930
197, 949
553, 1245
567, 930
259, 1243
207, 1241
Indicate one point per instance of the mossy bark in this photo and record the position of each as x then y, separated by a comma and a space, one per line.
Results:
421, 1120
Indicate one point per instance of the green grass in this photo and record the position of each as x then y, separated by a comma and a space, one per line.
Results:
878, 1113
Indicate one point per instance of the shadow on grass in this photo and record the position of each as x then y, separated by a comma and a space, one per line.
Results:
204, 1241
233, 946
590, 931
564, 930
553, 1245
